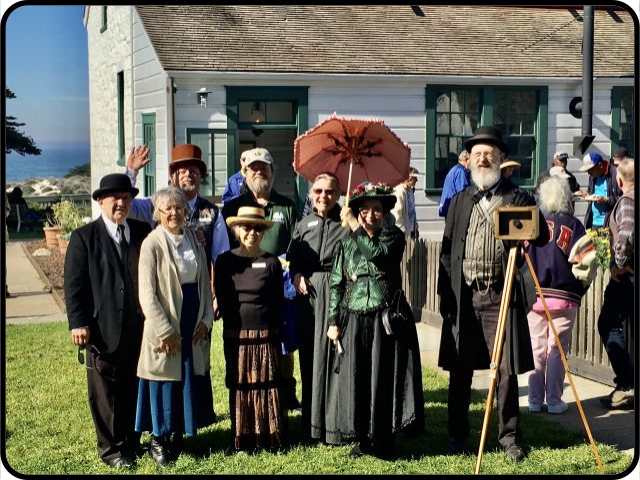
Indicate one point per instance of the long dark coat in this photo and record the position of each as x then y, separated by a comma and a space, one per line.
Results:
94, 283
455, 306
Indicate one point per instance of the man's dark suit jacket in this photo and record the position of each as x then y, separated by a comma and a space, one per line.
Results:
450, 279
94, 282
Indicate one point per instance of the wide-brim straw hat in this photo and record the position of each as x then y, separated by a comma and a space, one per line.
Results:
249, 216
510, 163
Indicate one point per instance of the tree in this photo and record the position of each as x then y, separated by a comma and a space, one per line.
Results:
16, 140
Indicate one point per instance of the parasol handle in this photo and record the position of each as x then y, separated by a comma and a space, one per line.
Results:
346, 201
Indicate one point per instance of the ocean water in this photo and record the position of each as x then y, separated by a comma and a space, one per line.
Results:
54, 161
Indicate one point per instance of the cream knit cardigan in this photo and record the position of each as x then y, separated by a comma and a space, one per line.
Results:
160, 297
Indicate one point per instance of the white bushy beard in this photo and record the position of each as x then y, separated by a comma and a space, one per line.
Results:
260, 185
484, 178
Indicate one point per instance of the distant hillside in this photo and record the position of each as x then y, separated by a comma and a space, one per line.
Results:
36, 187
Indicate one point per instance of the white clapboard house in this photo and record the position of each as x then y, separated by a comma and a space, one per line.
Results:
164, 75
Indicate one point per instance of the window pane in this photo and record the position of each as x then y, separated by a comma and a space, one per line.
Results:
443, 102
470, 124
442, 127
514, 125
244, 111
471, 102
280, 112
500, 105
442, 147
455, 147
457, 124
527, 124
526, 101
457, 99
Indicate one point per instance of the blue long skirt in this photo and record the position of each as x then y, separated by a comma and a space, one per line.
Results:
185, 406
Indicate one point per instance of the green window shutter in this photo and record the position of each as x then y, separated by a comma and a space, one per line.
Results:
149, 139
623, 119
121, 147
103, 19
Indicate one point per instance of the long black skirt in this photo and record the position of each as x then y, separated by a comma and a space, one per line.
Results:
377, 384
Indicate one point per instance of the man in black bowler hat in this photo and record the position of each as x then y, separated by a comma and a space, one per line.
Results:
101, 285
470, 285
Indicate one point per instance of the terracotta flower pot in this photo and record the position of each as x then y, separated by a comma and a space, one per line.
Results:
63, 243
51, 236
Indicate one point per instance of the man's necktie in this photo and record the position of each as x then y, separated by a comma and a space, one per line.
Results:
124, 245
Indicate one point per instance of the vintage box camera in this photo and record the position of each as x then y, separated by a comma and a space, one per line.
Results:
516, 223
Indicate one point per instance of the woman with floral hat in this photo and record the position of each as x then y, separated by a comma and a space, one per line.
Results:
379, 376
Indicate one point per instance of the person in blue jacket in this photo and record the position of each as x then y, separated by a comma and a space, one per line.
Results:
235, 181
456, 180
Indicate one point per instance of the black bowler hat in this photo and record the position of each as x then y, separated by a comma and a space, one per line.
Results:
114, 183
487, 134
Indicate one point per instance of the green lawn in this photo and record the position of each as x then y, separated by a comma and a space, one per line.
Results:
49, 428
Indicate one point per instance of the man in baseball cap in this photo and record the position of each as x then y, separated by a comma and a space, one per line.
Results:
561, 159
603, 191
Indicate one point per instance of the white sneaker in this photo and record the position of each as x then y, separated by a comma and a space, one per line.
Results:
558, 408
535, 407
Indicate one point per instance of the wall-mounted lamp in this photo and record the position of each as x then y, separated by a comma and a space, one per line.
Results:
257, 114
257, 132
203, 95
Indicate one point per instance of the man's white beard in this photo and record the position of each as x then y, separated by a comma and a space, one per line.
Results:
485, 178
187, 187
259, 185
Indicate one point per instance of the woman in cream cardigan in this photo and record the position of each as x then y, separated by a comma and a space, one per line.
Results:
174, 395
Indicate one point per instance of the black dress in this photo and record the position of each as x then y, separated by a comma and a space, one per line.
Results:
250, 298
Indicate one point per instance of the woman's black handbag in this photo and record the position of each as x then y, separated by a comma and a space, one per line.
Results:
397, 314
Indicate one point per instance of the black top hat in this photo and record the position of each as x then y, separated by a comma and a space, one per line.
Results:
114, 183
489, 135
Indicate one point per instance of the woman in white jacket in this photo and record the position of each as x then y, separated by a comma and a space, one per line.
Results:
175, 394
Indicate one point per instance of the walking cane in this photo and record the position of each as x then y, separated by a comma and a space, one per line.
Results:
564, 362
497, 347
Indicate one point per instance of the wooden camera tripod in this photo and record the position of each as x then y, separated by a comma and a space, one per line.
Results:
498, 346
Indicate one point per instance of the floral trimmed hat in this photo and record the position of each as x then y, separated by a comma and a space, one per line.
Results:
370, 191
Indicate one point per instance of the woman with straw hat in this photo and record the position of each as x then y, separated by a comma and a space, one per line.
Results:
248, 283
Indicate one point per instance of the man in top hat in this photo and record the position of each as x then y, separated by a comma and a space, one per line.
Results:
260, 172
186, 171
100, 286
603, 191
470, 285
404, 210
560, 159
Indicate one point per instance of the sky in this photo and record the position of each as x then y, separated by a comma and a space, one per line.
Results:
46, 65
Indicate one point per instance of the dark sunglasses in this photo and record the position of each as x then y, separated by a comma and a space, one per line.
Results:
81, 353
328, 191
255, 228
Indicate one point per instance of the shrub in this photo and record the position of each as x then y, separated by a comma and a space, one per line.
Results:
68, 216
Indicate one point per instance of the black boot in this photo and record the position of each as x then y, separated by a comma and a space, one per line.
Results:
174, 445
292, 402
159, 450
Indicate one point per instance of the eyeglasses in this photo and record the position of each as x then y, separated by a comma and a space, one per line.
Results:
173, 209
255, 228
479, 155
328, 191
374, 210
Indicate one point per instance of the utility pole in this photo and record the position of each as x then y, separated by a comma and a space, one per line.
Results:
582, 107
